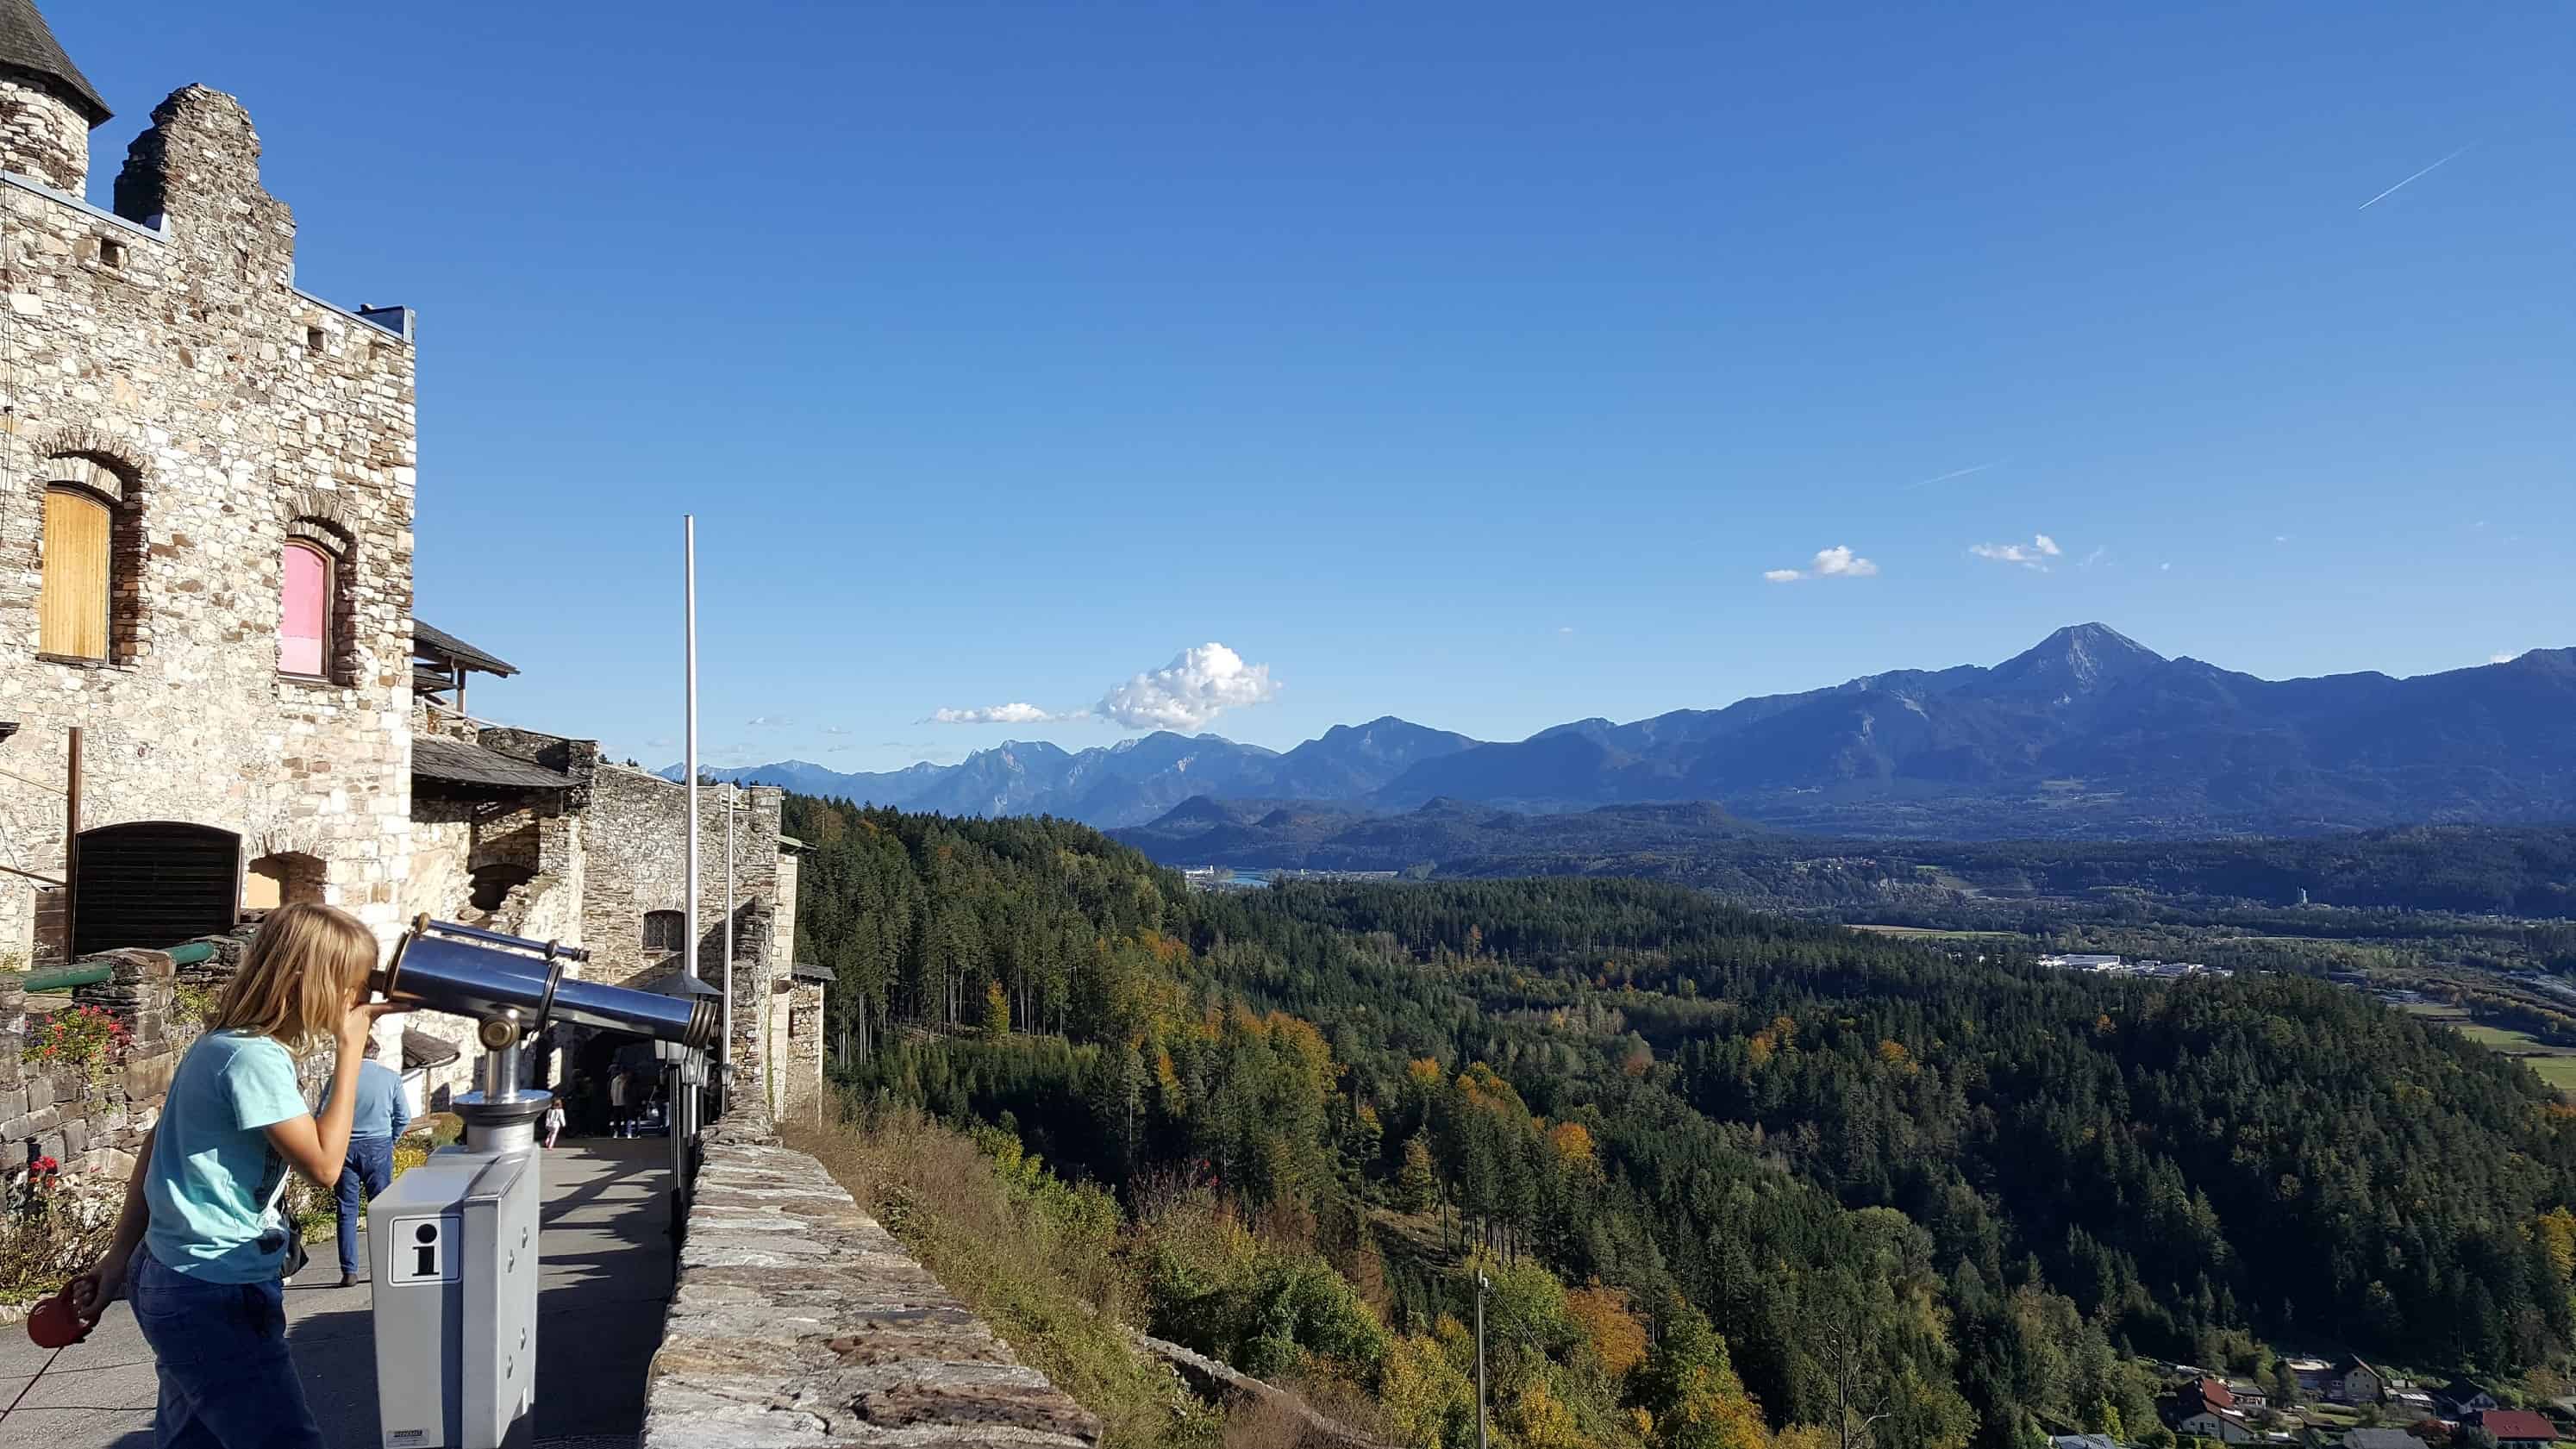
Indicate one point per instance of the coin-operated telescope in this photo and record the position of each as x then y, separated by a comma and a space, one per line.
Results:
452, 1244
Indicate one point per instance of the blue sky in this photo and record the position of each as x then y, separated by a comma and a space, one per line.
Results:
1472, 363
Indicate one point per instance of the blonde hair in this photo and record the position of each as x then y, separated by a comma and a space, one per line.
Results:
297, 979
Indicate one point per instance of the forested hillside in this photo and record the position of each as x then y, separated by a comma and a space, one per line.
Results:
1741, 1176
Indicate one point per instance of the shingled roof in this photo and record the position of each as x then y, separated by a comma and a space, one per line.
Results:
27, 45
420, 1049
446, 647
435, 757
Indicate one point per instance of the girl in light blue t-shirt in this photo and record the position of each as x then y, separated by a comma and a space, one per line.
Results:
202, 1202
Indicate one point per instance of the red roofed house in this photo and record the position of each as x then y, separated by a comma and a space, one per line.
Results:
2515, 1428
2205, 1409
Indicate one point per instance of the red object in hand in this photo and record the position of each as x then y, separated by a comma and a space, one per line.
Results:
54, 1324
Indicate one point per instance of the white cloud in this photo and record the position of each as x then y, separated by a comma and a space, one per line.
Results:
2164, 568
2033, 555
2502, 657
769, 721
1838, 562
1012, 713
1565, 628
2093, 558
1198, 685
837, 730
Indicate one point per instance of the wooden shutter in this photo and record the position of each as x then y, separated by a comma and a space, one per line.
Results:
304, 610
72, 614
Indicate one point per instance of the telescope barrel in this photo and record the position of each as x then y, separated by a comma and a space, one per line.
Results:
453, 969
548, 949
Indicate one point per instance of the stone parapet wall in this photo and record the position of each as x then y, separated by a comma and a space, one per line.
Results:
799, 1321
89, 1120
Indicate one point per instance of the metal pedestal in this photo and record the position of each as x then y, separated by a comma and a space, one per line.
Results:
453, 1249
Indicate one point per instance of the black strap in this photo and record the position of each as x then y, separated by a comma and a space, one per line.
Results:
546, 1004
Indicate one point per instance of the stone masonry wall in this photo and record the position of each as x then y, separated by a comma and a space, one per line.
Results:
799, 1321
89, 1121
167, 360
801, 1058
42, 136
633, 832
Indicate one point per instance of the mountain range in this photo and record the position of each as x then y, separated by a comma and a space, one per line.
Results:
2086, 734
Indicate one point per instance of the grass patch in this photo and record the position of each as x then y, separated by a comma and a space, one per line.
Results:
1032, 1257
2501, 1038
2554, 1065
2559, 1072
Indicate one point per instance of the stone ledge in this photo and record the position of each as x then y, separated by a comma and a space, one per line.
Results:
800, 1323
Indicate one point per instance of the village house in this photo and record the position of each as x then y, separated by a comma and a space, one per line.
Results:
2205, 1408
2467, 1396
2380, 1439
2514, 1428
2410, 1405
214, 699
2352, 1381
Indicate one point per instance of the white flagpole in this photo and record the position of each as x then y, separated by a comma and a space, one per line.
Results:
689, 865
724, 1053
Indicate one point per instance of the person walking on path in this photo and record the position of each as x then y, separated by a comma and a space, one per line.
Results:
199, 1243
554, 1121
620, 1087
381, 1117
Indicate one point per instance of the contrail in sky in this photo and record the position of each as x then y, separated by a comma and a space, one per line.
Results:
2411, 180
1953, 473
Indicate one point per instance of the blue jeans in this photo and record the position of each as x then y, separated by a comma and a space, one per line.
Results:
369, 1168
226, 1379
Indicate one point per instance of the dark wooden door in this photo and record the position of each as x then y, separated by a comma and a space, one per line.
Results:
154, 883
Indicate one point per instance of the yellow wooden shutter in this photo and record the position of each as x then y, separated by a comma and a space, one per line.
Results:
73, 612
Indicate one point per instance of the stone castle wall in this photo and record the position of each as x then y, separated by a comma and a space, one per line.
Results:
799, 1320
164, 358
633, 832
42, 137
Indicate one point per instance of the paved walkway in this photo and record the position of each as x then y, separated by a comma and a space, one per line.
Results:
599, 1318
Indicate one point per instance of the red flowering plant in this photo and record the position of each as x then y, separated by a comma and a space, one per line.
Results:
28, 1191
88, 1037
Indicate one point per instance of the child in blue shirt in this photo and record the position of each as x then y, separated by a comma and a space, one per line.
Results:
202, 1203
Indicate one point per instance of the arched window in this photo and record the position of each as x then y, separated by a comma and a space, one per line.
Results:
304, 612
80, 530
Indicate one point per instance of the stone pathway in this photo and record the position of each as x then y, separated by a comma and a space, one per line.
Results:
606, 1287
